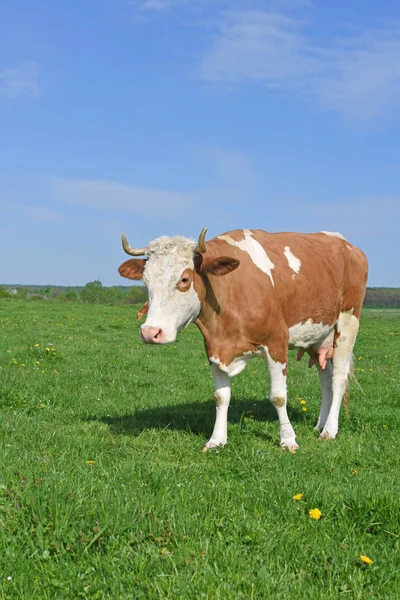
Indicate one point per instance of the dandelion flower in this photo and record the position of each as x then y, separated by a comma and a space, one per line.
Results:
366, 559
303, 401
354, 471
304, 408
90, 462
315, 514
37, 345
298, 496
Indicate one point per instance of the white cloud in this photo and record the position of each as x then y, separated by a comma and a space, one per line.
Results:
21, 81
157, 5
230, 174
369, 217
128, 199
357, 75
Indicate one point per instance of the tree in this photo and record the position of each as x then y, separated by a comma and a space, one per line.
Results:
92, 292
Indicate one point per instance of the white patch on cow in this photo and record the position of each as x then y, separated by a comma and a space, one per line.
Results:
294, 262
347, 327
334, 234
237, 365
308, 334
254, 249
278, 396
170, 309
349, 247
222, 394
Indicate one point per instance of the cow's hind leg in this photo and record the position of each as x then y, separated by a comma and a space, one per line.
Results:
347, 328
222, 384
278, 396
325, 378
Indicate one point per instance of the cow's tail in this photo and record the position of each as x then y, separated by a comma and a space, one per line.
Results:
353, 377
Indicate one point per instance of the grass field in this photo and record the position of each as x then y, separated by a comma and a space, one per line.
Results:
105, 493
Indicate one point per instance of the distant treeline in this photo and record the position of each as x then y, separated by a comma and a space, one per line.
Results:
95, 293
382, 298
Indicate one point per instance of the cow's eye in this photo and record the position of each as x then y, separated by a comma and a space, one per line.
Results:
185, 280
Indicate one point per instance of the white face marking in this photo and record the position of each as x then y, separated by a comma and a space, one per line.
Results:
170, 309
294, 262
334, 234
254, 249
237, 365
305, 335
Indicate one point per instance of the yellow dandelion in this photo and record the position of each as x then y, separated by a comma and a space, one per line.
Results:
37, 362
366, 559
315, 514
354, 471
41, 405
90, 462
303, 401
22, 364
47, 349
304, 408
36, 345
298, 496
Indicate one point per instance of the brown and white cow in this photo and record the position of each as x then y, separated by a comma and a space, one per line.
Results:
253, 293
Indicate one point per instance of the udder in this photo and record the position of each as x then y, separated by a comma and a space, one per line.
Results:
319, 354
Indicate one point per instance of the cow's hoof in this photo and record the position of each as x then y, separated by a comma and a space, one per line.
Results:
291, 446
325, 435
213, 445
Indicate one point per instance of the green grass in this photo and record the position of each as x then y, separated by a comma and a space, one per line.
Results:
154, 517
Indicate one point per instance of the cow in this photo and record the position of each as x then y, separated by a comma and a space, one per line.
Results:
253, 293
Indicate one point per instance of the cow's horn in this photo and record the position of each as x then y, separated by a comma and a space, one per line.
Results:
132, 251
201, 246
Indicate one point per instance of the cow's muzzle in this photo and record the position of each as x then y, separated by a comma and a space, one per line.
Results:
152, 335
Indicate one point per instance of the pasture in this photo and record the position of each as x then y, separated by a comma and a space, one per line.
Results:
105, 493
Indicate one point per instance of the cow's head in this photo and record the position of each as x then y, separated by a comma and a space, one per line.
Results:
172, 267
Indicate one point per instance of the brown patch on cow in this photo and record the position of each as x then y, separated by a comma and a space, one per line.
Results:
143, 311
278, 402
132, 268
237, 235
185, 280
218, 398
244, 311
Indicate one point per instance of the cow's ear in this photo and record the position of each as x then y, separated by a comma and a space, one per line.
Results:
132, 268
220, 266
143, 311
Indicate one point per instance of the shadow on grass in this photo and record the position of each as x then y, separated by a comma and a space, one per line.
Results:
198, 417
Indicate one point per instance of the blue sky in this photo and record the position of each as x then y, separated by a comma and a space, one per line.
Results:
157, 117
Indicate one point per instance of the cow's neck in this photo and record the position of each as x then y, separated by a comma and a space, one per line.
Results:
224, 334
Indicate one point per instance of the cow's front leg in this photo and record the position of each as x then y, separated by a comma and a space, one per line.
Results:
278, 395
222, 384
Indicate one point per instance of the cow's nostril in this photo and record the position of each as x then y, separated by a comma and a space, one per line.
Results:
158, 334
